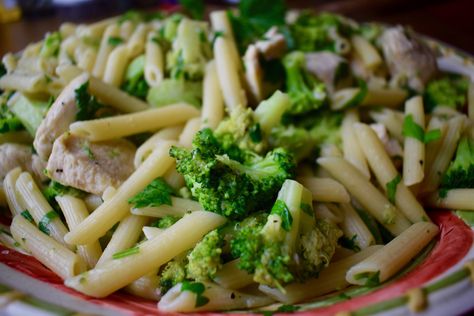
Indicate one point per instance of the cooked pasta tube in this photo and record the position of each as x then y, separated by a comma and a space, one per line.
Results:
178, 207
96, 29
31, 83
75, 211
115, 97
178, 299
113, 210
414, 149
354, 227
154, 62
446, 152
105, 49
350, 144
146, 257
145, 149
230, 276
68, 72
325, 189
32, 49
10, 62
393, 256
7, 240
43, 214
392, 120
116, 64
134, 123
190, 129
3, 198
147, 286
387, 175
48, 251
331, 279
67, 29
366, 52
11, 194
227, 72
388, 97
125, 236
92, 202
136, 43
462, 199
212, 102
332, 214
85, 57
220, 23
126, 29
366, 193
432, 148
66, 50
151, 232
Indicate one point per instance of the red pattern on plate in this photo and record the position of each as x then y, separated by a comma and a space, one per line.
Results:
455, 240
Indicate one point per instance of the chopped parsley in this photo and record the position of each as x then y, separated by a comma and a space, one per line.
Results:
27, 215
43, 225
87, 104
413, 130
126, 253
115, 40
198, 289
281, 209
392, 188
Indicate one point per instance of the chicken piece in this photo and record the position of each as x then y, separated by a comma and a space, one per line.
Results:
273, 45
391, 145
61, 114
328, 67
90, 166
408, 58
253, 74
16, 155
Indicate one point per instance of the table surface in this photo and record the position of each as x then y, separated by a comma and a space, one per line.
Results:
449, 20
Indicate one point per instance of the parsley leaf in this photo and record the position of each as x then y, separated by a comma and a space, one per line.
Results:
349, 243
8, 121
308, 209
115, 40
198, 289
392, 188
87, 105
194, 7
157, 193
371, 278
412, 129
27, 215
43, 225
126, 253
280, 209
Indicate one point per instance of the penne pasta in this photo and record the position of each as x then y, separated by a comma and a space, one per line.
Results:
178, 207
414, 149
231, 277
212, 102
183, 235
190, 129
393, 256
154, 61
105, 49
11, 194
453, 199
366, 52
387, 97
354, 227
350, 145
325, 189
134, 123
370, 198
116, 64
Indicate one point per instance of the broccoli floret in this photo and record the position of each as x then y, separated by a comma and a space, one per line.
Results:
8, 121
306, 92
87, 104
316, 32
448, 91
231, 183
269, 112
174, 272
205, 259
51, 45
29, 111
135, 83
242, 130
165, 222
326, 128
460, 173
296, 140
173, 91
190, 51
289, 244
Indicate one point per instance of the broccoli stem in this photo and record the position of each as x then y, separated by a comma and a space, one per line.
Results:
269, 112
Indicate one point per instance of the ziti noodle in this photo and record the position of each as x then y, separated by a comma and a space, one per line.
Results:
218, 165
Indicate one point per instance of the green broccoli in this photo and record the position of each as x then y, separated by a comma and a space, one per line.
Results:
172, 91
233, 182
296, 140
30, 112
8, 121
51, 45
205, 258
316, 32
135, 83
242, 130
290, 244
173, 272
448, 91
190, 51
460, 173
269, 112
165, 222
57, 189
306, 92
326, 128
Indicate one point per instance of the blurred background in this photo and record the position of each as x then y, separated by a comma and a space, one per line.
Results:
26, 21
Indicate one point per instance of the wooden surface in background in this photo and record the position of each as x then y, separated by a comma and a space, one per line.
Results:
449, 21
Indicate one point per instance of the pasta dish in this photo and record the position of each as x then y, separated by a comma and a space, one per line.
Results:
262, 157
